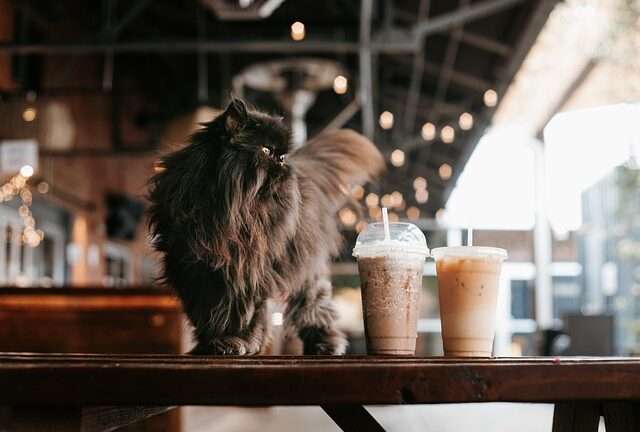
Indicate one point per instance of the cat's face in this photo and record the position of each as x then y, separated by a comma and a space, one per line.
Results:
256, 147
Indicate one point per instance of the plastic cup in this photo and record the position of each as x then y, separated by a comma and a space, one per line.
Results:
391, 279
468, 280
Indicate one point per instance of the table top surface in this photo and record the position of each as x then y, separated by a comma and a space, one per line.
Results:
93, 379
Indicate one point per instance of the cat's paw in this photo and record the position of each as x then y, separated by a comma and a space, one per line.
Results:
323, 341
228, 345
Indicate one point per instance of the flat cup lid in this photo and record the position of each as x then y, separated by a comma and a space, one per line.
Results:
469, 252
403, 237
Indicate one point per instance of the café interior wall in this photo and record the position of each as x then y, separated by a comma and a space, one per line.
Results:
6, 32
79, 183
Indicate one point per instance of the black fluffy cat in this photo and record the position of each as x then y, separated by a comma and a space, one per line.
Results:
240, 219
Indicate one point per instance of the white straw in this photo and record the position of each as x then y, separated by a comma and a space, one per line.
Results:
385, 221
469, 237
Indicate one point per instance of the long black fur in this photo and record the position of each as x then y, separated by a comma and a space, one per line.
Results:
240, 220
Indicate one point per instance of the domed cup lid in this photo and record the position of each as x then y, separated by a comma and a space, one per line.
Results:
403, 237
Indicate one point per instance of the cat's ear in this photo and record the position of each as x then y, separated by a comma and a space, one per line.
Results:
235, 115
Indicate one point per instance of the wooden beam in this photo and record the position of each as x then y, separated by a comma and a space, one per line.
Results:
366, 69
343, 116
448, 67
460, 78
485, 43
461, 16
417, 71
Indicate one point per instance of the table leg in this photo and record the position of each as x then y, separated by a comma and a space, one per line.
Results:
352, 418
576, 417
108, 418
621, 416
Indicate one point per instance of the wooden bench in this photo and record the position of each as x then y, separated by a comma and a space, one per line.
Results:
51, 387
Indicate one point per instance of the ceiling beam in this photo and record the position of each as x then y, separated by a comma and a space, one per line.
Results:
461, 16
448, 67
255, 46
395, 96
417, 74
132, 13
214, 46
366, 69
405, 45
32, 13
344, 116
318, 45
485, 43
460, 78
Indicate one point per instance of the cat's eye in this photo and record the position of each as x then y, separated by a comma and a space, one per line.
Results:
282, 158
266, 150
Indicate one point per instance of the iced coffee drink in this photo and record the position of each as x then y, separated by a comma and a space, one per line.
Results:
468, 280
391, 280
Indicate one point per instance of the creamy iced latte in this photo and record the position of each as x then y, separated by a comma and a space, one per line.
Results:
468, 280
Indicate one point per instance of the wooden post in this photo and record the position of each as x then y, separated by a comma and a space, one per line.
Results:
352, 418
621, 416
576, 417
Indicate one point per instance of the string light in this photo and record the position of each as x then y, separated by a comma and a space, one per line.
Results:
386, 201
17, 185
347, 216
393, 217
447, 134
397, 158
445, 171
422, 196
158, 167
396, 199
413, 213
26, 196
440, 214
357, 192
420, 183
29, 114
340, 84
465, 121
43, 187
428, 131
297, 31
23, 211
26, 171
375, 213
386, 120
490, 98
372, 200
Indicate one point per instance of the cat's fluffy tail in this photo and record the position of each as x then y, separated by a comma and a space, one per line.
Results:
338, 159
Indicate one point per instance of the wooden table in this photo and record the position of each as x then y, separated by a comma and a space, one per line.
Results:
582, 389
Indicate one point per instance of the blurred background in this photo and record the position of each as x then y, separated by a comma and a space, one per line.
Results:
519, 119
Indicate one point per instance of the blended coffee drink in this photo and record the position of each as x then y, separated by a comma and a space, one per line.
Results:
391, 280
468, 280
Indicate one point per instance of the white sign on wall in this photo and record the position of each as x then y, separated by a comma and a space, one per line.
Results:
14, 154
